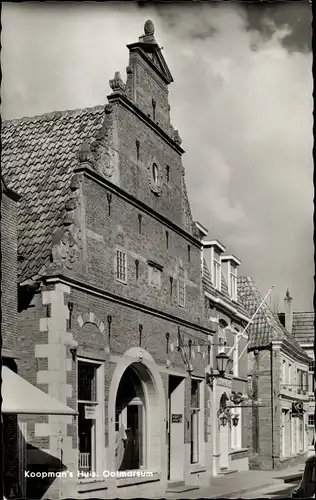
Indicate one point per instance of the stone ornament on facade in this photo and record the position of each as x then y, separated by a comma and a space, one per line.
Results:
117, 84
154, 175
66, 251
99, 154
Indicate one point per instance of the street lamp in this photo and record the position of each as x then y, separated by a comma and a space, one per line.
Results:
235, 419
221, 361
223, 419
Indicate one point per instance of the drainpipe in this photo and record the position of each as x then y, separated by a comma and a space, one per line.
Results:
272, 404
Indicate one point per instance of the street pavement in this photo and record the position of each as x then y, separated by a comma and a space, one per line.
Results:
247, 484
276, 491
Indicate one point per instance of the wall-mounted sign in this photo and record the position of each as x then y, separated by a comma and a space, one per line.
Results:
224, 382
176, 418
89, 412
297, 409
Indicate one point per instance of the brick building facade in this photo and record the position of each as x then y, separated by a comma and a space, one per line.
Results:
118, 303
302, 326
277, 365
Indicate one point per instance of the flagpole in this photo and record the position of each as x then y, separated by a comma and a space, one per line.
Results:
249, 322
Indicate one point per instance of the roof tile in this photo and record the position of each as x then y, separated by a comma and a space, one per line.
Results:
38, 158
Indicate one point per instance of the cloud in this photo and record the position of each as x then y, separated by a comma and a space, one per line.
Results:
242, 101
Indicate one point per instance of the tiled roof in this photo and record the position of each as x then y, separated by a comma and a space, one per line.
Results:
38, 157
223, 294
266, 327
304, 327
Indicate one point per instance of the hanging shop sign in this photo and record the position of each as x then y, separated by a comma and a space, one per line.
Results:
297, 409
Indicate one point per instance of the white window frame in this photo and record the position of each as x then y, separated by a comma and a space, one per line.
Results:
311, 430
283, 373
154, 276
236, 431
217, 275
290, 376
235, 355
200, 422
222, 337
181, 293
97, 455
119, 275
233, 283
311, 377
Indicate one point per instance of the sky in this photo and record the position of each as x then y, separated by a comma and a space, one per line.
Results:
241, 100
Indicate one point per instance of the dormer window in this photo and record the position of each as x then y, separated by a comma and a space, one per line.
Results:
233, 284
212, 251
230, 264
216, 274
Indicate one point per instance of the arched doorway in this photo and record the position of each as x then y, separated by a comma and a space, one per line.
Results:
130, 421
138, 369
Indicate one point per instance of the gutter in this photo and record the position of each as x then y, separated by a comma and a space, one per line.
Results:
221, 302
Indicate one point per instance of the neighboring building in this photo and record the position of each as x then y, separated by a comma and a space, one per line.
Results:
223, 305
278, 368
9, 344
302, 327
18, 396
111, 312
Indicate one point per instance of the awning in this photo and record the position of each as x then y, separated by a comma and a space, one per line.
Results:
21, 397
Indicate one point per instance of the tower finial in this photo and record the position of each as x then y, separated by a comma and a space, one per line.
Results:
149, 28
287, 295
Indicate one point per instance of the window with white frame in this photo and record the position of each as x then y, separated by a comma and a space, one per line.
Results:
195, 421
121, 266
311, 429
311, 377
283, 373
154, 276
236, 430
222, 338
181, 292
216, 274
90, 421
300, 434
235, 354
289, 377
233, 283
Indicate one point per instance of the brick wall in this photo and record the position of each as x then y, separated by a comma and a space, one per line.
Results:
136, 174
121, 228
144, 85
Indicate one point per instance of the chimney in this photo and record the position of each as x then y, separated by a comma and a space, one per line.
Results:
288, 311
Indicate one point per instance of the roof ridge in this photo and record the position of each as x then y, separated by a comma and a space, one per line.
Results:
50, 115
